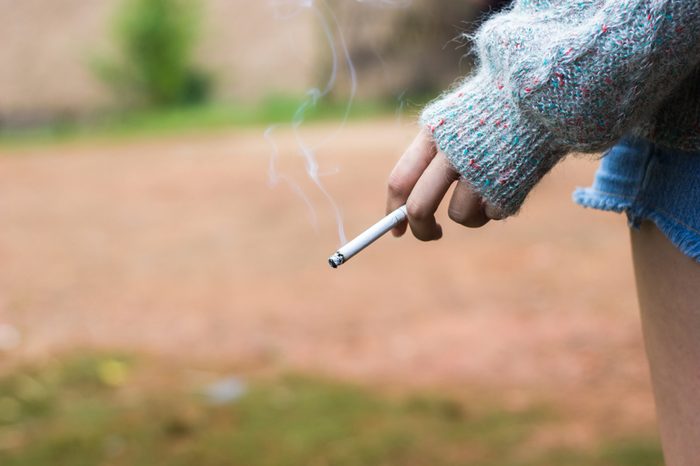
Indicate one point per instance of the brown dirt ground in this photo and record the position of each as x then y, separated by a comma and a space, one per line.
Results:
179, 248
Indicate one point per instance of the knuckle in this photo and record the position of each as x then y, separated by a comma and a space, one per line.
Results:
471, 218
416, 211
457, 216
396, 185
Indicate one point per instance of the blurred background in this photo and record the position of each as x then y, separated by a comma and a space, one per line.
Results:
164, 291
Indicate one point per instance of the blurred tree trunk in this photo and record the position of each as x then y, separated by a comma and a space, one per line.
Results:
416, 50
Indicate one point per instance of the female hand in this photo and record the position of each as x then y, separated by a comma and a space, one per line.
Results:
421, 179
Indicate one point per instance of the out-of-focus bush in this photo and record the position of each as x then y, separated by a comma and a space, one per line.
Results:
154, 63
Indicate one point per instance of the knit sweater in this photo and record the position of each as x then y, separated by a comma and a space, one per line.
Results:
561, 76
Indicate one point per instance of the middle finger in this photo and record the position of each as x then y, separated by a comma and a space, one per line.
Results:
426, 197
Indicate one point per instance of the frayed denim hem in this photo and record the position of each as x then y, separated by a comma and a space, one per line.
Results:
683, 237
592, 199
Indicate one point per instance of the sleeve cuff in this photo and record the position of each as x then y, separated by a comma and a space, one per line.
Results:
500, 152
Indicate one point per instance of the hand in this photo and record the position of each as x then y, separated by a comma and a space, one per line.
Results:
421, 179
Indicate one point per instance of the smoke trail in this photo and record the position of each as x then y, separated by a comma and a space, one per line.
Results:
275, 177
340, 55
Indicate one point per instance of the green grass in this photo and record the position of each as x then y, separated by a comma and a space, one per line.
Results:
273, 110
116, 411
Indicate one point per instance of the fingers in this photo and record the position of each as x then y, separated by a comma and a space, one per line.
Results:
407, 172
466, 207
420, 180
426, 197
493, 212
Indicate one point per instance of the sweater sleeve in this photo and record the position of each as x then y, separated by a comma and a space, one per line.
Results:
556, 78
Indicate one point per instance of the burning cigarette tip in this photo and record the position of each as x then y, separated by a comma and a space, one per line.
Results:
336, 260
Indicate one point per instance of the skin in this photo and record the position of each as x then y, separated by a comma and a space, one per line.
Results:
421, 180
669, 300
667, 285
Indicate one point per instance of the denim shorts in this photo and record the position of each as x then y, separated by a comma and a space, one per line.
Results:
649, 182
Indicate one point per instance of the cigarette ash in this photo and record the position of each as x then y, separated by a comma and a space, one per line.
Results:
336, 260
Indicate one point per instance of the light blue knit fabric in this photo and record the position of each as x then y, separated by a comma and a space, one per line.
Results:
561, 76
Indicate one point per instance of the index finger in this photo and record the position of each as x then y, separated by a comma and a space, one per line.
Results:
407, 171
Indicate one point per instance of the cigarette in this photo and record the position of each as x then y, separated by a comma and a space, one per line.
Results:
375, 232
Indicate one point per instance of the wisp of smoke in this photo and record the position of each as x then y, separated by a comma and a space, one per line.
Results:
340, 58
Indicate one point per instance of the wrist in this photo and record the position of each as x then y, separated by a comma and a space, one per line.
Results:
496, 148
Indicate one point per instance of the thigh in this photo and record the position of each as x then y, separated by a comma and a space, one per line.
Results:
668, 285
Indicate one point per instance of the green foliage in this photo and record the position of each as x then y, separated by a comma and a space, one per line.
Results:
188, 119
155, 41
109, 410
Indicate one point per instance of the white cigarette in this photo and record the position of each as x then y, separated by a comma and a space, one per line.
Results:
375, 232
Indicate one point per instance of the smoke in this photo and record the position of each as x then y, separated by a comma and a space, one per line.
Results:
340, 60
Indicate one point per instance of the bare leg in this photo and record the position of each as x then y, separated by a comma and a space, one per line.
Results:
668, 285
